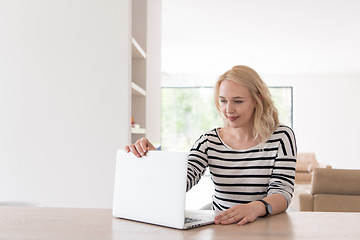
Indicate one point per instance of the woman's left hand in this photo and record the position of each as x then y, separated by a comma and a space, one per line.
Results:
242, 214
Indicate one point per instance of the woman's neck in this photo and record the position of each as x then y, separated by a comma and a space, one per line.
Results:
238, 138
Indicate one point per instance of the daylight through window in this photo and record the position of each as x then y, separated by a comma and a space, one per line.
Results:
188, 112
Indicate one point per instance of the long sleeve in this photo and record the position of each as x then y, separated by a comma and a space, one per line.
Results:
198, 162
282, 179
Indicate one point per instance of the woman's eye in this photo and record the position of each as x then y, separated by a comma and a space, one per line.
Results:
223, 101
238, 102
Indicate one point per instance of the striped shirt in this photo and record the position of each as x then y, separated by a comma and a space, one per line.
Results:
243, 176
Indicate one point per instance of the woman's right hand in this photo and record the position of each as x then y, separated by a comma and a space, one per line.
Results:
140, 148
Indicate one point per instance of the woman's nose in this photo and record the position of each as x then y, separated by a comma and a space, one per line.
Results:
229, 108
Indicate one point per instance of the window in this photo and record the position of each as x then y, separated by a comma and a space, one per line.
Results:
188, 112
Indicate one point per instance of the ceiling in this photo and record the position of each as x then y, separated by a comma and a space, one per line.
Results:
272, 36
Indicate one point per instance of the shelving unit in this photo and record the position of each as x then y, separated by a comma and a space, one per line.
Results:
144, 80
138, 68
138, 131
137, 51
136, 90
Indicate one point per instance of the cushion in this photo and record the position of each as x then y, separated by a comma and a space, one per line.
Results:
336, 203
335, 181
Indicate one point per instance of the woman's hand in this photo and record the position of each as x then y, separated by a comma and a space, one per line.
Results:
246, 213
140, 148
242, 214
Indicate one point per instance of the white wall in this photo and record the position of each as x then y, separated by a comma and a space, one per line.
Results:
64, 94
153, 68
326, 115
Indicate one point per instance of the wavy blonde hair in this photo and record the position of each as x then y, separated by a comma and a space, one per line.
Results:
266, 116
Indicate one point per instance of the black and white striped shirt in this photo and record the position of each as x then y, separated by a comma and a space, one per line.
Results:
242, 176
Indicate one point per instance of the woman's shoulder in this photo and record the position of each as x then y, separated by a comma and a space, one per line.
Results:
283, 129
285, 135
212, 132
209, 135
282, 132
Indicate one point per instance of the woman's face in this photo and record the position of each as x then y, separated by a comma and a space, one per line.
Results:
236, 104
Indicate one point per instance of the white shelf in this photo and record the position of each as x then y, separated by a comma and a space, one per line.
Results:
137, 90
138, 130
139, 61
137, 51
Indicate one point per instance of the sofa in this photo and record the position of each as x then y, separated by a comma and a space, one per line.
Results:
305, 164
332, 190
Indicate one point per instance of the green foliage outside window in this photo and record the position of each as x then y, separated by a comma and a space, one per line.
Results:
187, 113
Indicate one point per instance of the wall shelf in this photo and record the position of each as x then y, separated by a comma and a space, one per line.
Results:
139, 63
137, 50
138, 130
137, 90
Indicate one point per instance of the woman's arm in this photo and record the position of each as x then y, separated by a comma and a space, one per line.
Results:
246, 213
197, 162
282, 179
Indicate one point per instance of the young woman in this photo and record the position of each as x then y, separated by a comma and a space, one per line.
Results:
251, 159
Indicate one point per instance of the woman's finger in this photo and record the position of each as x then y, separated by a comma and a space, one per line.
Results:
127, 148
134, 151
245, 220
224, 216
139, 148
144, 143
231, 220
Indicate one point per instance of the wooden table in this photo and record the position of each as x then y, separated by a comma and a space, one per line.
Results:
69, 223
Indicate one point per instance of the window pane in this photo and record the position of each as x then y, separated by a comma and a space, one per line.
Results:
189, 112
186, 114
282, 97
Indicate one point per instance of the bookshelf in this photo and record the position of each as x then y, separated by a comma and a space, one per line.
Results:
138, 69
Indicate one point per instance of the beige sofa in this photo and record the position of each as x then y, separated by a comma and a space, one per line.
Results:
305, 164
332, 190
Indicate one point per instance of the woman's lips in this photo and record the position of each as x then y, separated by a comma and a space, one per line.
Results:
233, 118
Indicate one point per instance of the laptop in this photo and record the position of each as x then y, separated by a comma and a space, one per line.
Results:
152, 189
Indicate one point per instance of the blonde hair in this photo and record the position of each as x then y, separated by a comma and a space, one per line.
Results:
266, 117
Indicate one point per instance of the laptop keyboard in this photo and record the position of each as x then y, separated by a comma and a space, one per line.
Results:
190, 220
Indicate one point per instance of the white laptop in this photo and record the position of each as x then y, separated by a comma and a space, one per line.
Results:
152, 189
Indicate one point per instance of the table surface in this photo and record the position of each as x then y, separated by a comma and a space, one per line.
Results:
76, 223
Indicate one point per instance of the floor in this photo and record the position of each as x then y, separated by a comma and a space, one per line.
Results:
299, 188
